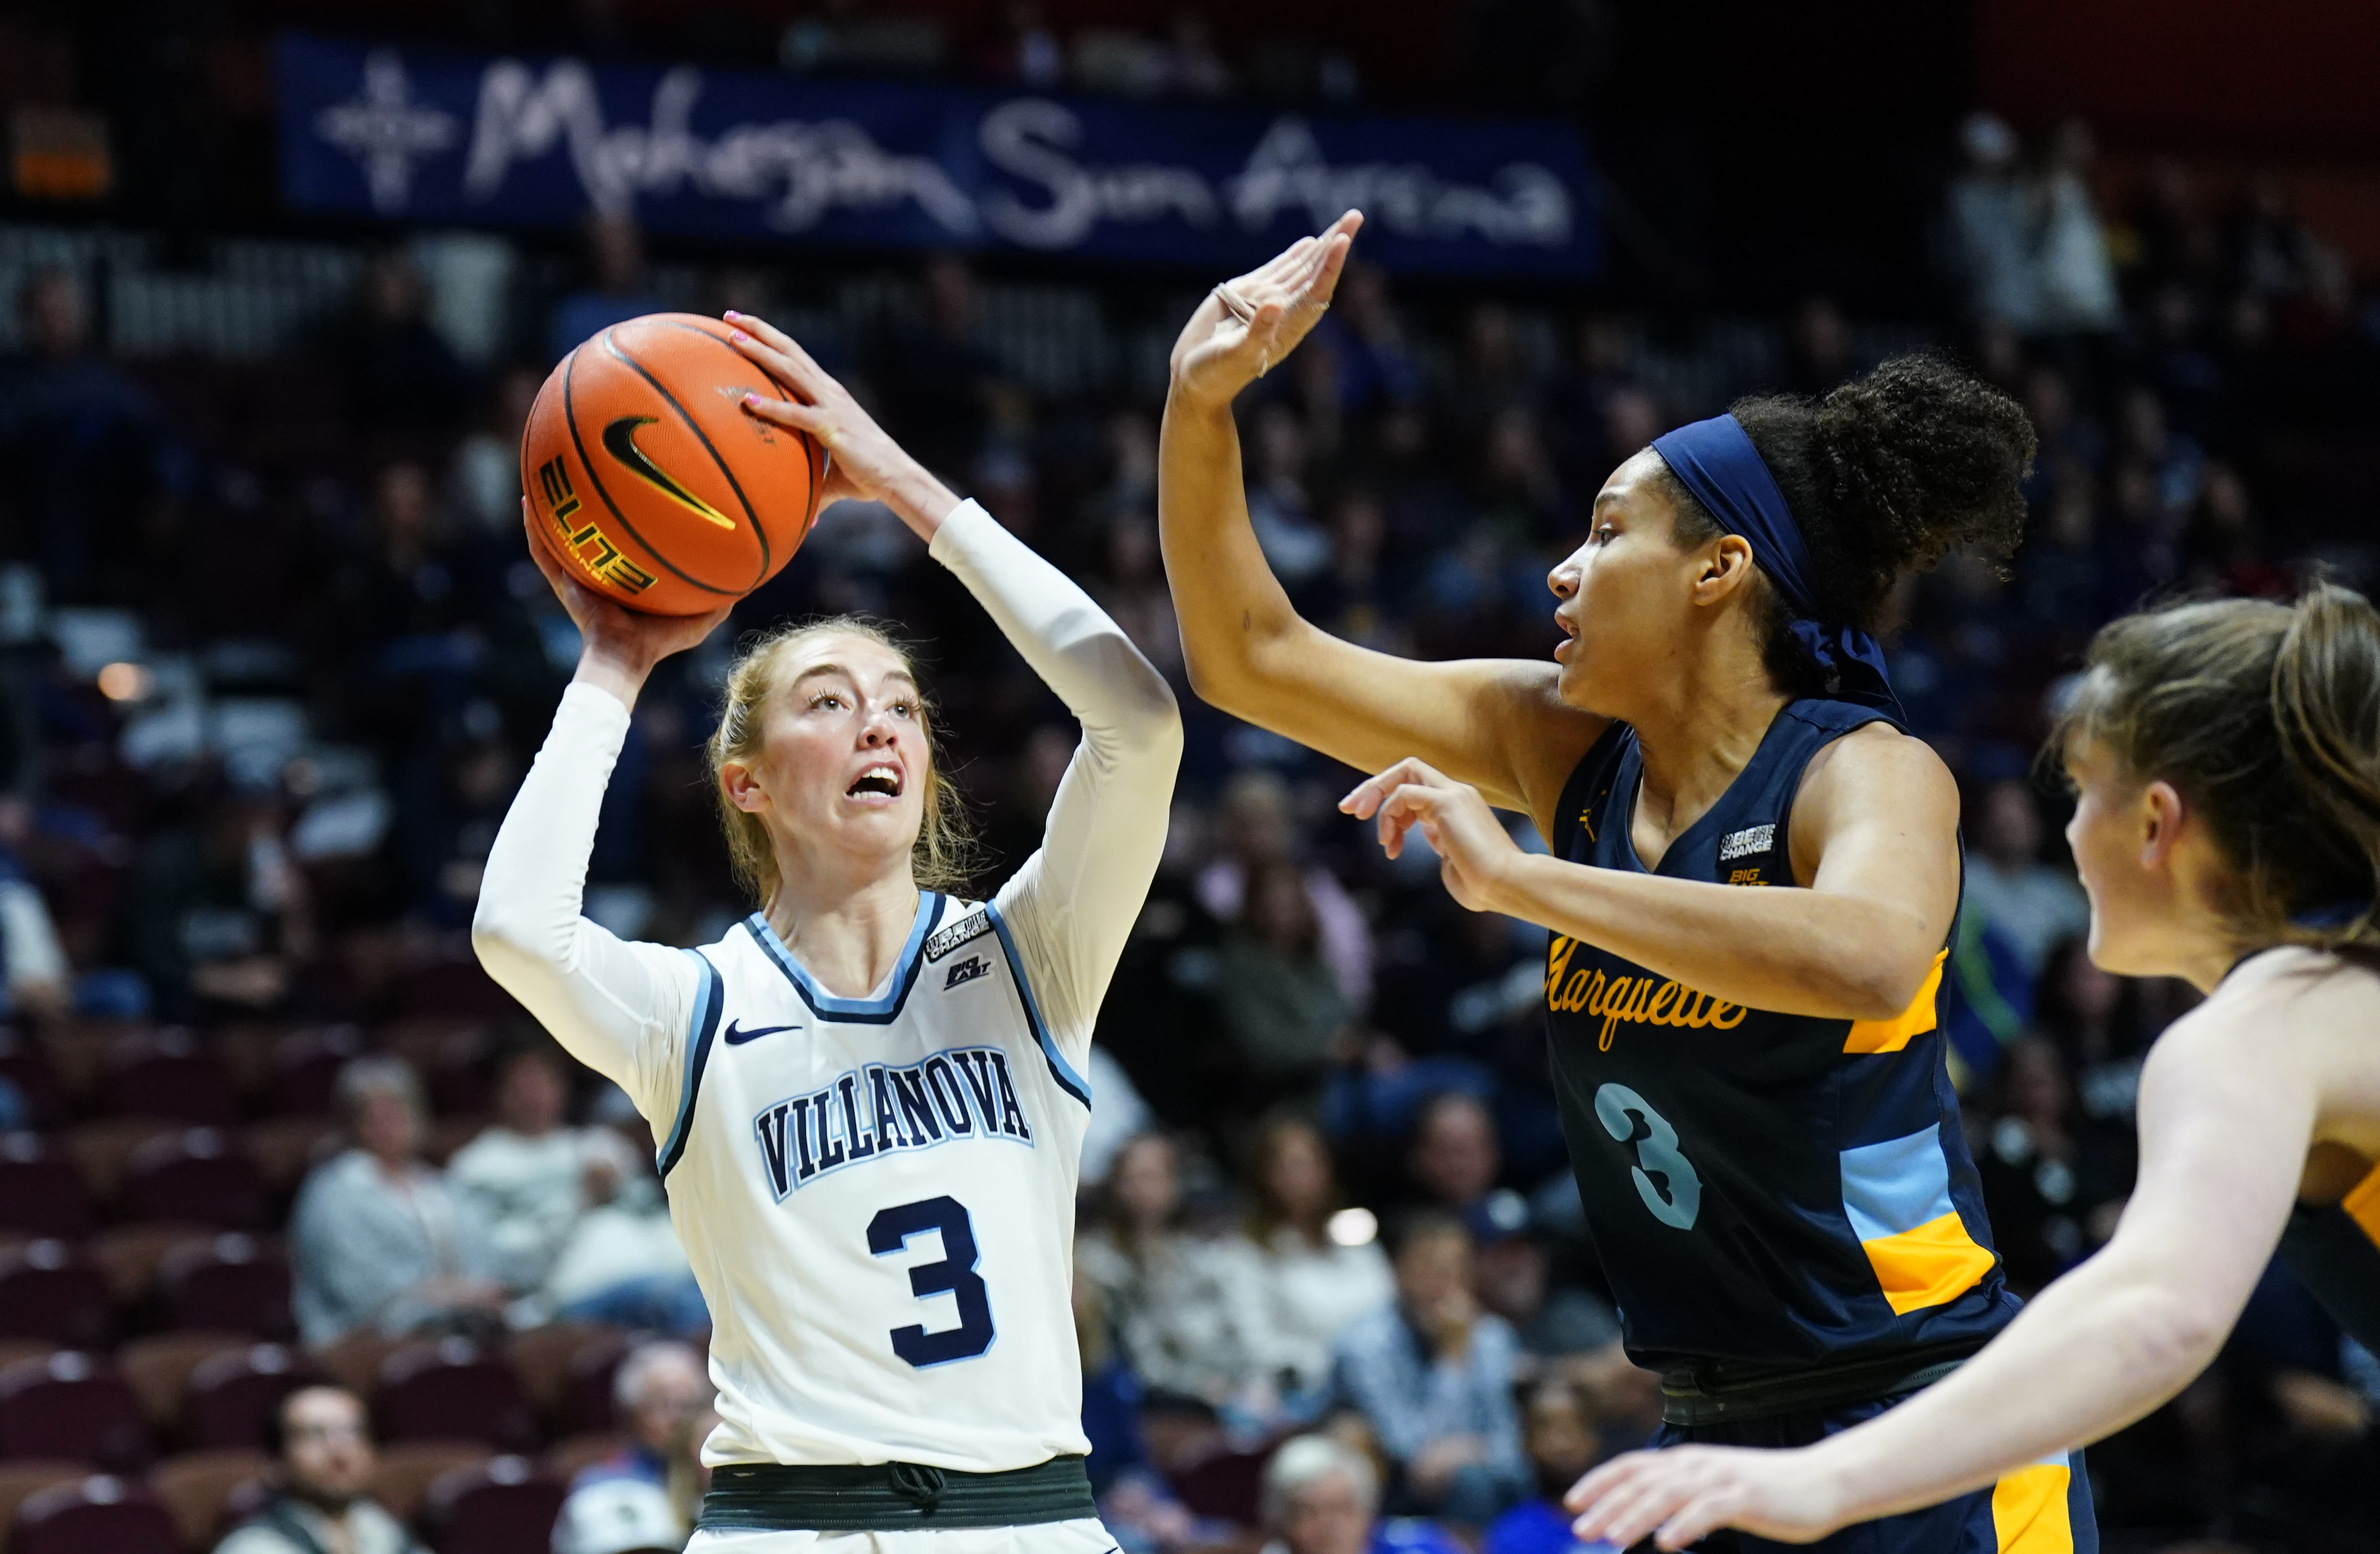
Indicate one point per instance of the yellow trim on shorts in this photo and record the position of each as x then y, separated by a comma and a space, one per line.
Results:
1932, 1265
2029, 1514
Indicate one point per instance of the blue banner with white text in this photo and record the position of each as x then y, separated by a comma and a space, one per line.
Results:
436, 136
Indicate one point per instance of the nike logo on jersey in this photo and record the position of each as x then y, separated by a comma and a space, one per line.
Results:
966, 970
620, 441
963, 1093
737, 1037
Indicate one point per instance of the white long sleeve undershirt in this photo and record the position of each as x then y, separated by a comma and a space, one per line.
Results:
623, 1008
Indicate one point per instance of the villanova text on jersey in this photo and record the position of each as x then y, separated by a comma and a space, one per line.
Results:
1766, 1190
957, 1094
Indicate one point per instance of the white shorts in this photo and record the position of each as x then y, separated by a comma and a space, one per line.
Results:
1085, 1536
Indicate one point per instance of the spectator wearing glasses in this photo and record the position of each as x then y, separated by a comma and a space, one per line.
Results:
323, 1463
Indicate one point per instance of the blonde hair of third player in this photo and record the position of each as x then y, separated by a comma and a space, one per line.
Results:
945, 851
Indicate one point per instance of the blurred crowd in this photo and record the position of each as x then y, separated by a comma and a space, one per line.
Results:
273, 660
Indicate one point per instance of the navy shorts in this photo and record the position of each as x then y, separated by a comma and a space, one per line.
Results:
2041, 1509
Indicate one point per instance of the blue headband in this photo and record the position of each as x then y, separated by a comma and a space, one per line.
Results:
1715, 459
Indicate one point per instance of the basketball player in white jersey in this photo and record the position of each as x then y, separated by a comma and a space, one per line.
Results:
868, 1097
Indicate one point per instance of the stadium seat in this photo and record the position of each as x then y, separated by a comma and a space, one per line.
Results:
129, 1256
285, 1148
565, 1457
498, 1507
452, 1390
451, 1053
158, 1368
1226, 1486
71, 1404
541, 1358
591, 1370
354, 1360
230, 1395
305, 1067
25, 1067
232, 1282
21, 1479
196, 1487
168, 1074
41, 1190
198, 1175
103, 1149
52, 1291
408, 1468
98, 1512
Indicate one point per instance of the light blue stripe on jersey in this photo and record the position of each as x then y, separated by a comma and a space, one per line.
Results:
1896, 1185
709, 997
1068, 1080
867, 1010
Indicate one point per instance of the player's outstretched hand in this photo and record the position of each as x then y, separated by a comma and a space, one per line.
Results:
1475, 855
1678, 1495
862, 462
1248, 326
618, 646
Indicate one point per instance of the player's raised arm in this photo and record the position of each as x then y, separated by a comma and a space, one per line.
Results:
621, 1009
1497, 725
1074, 903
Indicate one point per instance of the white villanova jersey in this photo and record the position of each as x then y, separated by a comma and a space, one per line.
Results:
878, 1197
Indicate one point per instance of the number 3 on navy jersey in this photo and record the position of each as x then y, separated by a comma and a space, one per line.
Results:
954, 1275
1664, 1179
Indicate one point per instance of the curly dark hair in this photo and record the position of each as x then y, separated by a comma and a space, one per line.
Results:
1885, 475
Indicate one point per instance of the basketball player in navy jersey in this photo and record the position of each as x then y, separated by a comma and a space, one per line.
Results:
1753, 875
2226, 760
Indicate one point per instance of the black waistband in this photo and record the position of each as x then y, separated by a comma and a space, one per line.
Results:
1708, 1395
891, 1497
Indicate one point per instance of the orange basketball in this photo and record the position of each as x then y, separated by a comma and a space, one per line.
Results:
650, 482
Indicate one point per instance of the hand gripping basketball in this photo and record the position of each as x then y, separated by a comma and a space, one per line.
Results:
862, 462
1248, 326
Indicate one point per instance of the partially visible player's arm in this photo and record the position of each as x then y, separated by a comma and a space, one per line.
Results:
1877, 820
1496, 724
2228, 1104
620, 1008
1074, 903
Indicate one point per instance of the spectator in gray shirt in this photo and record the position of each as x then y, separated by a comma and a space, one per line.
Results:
324, 1462
377, 1239
1432, 1374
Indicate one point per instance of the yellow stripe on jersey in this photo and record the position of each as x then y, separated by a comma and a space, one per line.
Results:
1936, 1263
2362, 1205
1891, 1035
2029, 1513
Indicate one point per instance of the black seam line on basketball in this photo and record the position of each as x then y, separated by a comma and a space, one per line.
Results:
818, 476
570, 418
817, 451
734, 485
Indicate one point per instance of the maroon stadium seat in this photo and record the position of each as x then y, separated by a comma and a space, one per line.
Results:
499, 1507
74, 1405
168, 1074
40, 1191
26, 1066
591, 1370
98, 1512
452, 1390
236, 1282
200, 1176
231, 1396
305, 1067
196, 1490
49, 1290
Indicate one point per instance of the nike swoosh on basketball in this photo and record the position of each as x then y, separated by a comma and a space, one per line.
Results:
737, 1037
620, 442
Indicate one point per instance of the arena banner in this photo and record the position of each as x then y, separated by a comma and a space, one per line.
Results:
440, 136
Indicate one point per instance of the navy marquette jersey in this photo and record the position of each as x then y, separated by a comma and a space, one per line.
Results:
2335, 1252
1766, 1190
